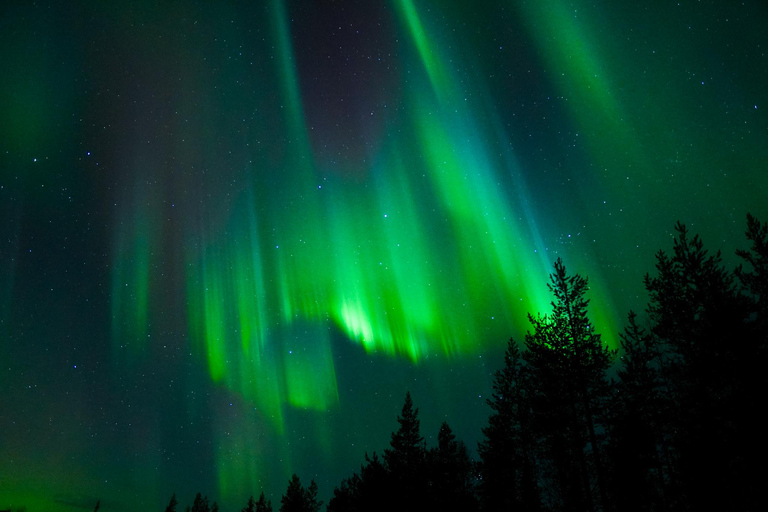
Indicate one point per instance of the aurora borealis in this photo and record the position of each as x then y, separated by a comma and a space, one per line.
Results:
235, 233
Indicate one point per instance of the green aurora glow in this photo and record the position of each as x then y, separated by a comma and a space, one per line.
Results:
260, 224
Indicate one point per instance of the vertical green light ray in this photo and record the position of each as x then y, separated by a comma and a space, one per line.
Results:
407, 255
489, 238
250, 455
488, 233
289, 77
215, 328
298, 214
437, 74
564, 33
310, 377
130, 294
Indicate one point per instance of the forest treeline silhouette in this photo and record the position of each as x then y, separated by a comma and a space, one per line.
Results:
670, 421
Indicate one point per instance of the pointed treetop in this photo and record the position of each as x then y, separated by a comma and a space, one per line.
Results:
172, 504
263, 505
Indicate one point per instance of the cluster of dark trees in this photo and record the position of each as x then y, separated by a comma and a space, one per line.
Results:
297, 498
672, 421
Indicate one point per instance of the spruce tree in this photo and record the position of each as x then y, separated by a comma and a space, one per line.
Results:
638, 453
568, 365
507, 450
299, 499
698, 317
451, 473
251, 506
200, 504
263, 505
408, 448
406, 459
172, 504
749, 393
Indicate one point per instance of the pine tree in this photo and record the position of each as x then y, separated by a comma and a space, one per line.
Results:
263, 505
755, 282
251, 507
406, 459
507, 451
638, 452
200, 504
98, 504
370, 491
313, 505
408, 448
451, 473
568, 363
299, 499
172, 504
698, 317
752, 381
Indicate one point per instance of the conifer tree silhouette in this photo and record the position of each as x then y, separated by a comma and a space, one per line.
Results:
263, 505
697, 313
172, 504
507, 450
251, 506
406, 459
568, 364
300, 499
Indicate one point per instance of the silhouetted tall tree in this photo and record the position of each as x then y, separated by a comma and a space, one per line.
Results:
408, 448
568, 363
251, 506
172, 504
507, 451
406, 459
697, 314
98, 504
749, 395
638, 441
300, 499
451, 474
368, 491
263, 505
200, 504
755, 281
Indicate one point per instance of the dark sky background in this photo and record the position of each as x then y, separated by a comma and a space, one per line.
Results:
233, 234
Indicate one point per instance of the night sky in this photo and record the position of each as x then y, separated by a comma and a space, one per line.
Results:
233, 234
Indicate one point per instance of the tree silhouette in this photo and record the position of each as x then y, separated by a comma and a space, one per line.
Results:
697, 313
406, 459
408, 448
507, 451
172, 504
251, 506
368, 491
451, 473
568, 363
200, 504
755, 282
752, 445
263, 505
640, 471
299, 499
